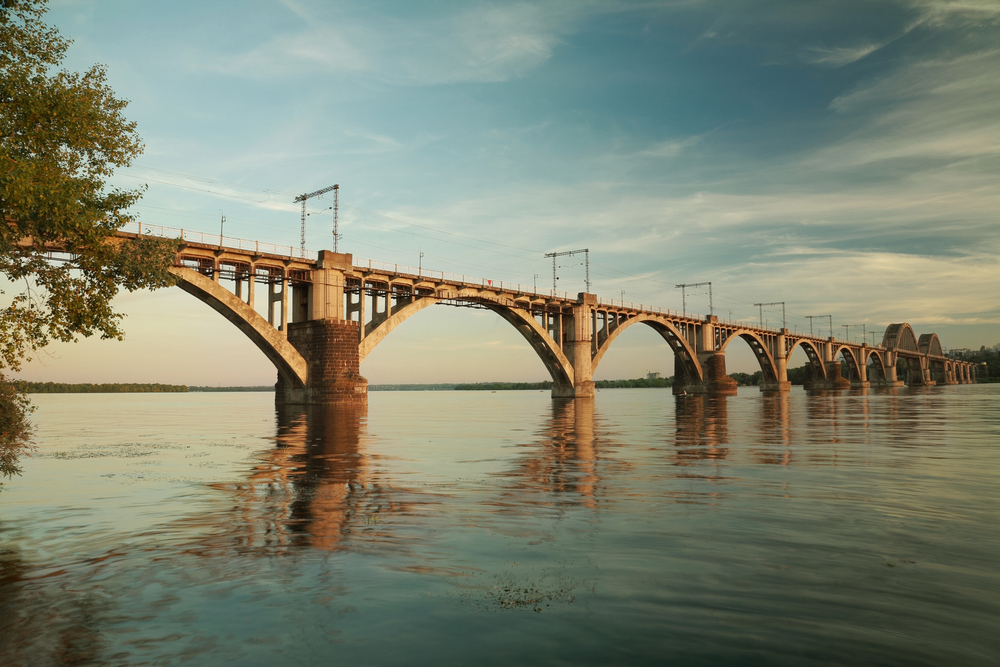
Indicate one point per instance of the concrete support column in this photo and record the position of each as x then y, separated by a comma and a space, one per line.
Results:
251, 286
284, 301
577, 347
273, 296
891, 378
924, 374
862, 381
781, 383
326, 300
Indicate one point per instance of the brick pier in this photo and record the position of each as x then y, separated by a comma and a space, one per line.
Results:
330, 348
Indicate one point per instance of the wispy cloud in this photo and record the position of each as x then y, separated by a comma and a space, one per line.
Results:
482, 42
838, 57
670, 148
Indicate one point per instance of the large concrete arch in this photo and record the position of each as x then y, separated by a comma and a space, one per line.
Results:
900, 337
878, 364
814, 354
681, 348
553, 358
273, 344
556, 362
759, 348
851, 357
369, 342
930, 344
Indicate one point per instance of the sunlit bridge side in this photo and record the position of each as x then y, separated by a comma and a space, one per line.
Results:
325, 312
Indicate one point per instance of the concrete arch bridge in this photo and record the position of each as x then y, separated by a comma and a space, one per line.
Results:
325, 315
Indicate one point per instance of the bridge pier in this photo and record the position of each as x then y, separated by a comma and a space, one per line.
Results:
713, 365
834, 378
577, 346
780, 382
330, 348
861, 381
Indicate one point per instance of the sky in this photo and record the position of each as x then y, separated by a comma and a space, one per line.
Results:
842, 158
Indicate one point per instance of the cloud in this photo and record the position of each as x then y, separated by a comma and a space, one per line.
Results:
670, 148
314, 49
938, 114
839, 57
483, 42
949, 12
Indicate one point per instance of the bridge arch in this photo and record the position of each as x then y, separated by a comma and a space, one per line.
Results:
930, 344
878, 363
768, 368
275, 346
850, 357
678, 344
900, 337
813, 353
553, 358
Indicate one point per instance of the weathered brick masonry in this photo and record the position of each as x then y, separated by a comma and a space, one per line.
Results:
330, 348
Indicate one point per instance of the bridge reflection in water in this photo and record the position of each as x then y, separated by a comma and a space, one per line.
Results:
660, 503
320, 486
312, 487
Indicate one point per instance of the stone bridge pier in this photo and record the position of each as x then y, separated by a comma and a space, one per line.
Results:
327, 342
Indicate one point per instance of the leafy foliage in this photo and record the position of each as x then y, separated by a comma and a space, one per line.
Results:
15, 430
62, 134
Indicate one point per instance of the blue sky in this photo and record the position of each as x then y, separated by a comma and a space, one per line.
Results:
840, 157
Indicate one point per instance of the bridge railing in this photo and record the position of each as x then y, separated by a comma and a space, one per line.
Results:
259, 247
191, 236
462, 279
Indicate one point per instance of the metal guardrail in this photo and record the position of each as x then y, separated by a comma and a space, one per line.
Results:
245, 245
462, 279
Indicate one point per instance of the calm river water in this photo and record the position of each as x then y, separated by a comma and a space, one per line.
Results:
453, 528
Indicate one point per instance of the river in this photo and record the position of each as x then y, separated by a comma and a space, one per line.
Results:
451, 528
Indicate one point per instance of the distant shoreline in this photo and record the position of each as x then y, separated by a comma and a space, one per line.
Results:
152, 388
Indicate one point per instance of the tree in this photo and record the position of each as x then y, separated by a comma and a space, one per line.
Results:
62, 134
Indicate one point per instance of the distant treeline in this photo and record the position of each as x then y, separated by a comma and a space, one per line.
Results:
106, 388
266, 387
498, 386
638, 383
411, 387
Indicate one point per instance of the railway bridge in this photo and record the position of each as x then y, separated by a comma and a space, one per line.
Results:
325, 314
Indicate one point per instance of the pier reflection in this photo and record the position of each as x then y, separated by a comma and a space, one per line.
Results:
566, 459
313, 488
774, 446
701, 429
